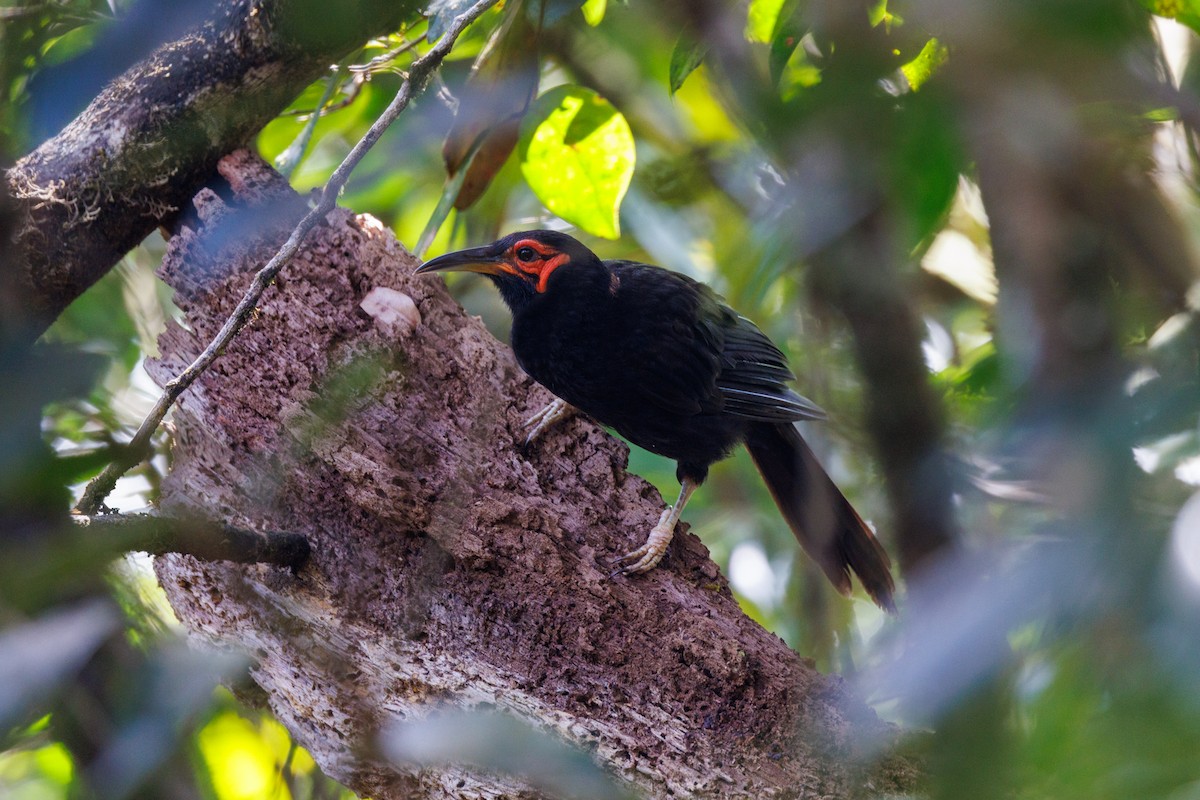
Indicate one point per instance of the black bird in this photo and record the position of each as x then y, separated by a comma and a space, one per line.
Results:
664, 361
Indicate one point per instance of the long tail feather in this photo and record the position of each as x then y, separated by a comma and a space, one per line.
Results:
827, 526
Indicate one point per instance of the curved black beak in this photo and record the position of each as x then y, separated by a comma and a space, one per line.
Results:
486, 260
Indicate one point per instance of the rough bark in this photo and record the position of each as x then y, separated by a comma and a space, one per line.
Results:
449, 569
152, 138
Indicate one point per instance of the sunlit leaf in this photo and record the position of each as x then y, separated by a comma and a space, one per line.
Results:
71, 44
593, 11
1164, 114
243, 763
932, 56
707, 117
796, 73
687, 55
577, 154
43, 773
787, 37
878, 13
54, 762
1185, 12
761, 19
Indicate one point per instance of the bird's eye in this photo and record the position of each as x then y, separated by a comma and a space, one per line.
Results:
526, 254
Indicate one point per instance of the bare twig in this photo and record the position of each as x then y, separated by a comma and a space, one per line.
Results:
356, 82
377, 63
418, 78
209, 541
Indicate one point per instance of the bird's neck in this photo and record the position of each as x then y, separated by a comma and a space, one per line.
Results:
516, 293
576, 281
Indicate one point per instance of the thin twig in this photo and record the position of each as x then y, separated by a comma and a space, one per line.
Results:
356, 82
418, 78
377, 62
208, 541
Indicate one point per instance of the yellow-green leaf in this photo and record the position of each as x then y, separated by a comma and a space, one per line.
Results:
927, 62
593, 11
1165, 8
761, 19
577, 155
878, 13
1185, 12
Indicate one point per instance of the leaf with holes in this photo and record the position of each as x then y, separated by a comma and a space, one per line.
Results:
577, 155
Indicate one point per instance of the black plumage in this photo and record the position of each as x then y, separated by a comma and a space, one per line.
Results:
664, 361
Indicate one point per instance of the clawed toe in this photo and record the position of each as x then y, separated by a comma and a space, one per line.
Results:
645, 562
647, 556
555, 411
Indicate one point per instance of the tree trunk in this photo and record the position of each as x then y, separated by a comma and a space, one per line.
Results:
153, 137
366, 410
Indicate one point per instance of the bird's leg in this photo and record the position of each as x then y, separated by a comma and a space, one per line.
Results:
556, 411
649, 554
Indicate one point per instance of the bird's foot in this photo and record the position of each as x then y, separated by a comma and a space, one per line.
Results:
555, 411
649, 554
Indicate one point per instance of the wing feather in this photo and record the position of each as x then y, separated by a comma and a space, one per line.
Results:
709, 359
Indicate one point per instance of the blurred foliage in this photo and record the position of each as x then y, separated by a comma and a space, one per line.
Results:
32, 37
1059, 659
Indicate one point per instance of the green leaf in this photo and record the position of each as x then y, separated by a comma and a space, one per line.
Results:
687, 55
1166, 114
794, 72
878, 12
577, 156
73, 43
593, 11
761, 19
927, 62
784, 41
1186, 12
925, 160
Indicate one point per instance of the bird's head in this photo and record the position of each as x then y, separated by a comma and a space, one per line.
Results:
521, 264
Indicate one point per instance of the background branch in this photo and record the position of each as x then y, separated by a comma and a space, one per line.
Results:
153, 137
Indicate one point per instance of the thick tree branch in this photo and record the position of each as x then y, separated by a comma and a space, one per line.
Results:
207, 541
418, 78
366, 411
153, 137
